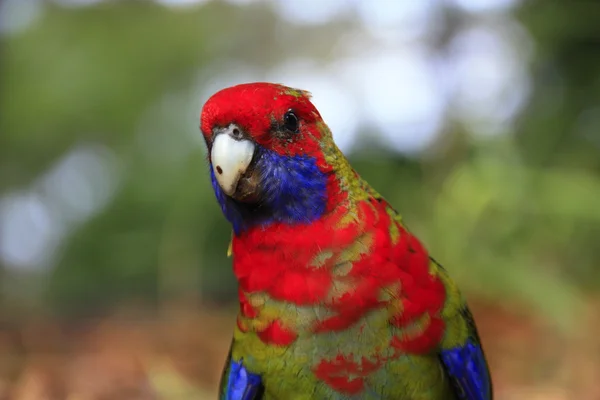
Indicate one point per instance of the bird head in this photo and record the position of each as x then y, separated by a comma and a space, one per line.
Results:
272, 158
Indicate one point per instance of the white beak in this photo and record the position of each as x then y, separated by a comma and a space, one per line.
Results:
230, 157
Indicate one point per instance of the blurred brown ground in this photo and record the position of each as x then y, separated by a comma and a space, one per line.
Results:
179, 355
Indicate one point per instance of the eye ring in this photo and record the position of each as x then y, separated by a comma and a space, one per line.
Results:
291, 122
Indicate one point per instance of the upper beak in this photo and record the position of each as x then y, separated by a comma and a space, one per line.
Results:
231, 154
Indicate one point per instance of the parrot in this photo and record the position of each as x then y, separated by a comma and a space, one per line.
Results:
337, 298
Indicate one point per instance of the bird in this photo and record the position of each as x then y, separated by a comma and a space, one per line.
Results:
338, 299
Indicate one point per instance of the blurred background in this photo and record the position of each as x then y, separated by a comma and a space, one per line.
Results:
478, 119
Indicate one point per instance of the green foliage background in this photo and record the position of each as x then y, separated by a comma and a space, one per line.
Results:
515, 216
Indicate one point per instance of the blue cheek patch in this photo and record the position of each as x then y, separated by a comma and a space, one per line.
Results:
241, 384
467, 367
228, 206
294, 190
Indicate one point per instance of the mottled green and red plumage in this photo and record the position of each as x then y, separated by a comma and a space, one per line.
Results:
338, 300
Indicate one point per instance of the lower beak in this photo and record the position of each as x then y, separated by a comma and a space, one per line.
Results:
231, 155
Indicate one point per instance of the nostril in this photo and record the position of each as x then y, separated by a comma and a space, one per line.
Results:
236, 133
219, 170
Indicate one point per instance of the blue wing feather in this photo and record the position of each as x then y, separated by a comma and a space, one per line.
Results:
468, 370
466, 365
240, 384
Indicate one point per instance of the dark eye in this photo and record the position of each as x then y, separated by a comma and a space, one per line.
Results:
290, 121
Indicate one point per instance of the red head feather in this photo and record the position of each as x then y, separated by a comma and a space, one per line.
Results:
258, 108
